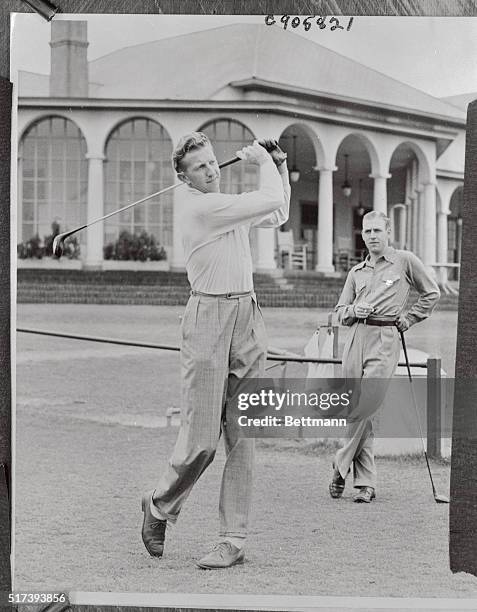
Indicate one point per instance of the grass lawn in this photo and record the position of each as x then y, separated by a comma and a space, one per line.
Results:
88, 442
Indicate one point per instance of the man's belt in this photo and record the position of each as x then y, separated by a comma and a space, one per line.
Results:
231, 295
378, 322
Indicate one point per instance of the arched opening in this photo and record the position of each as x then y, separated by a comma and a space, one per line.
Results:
228, 136
454, 230
53, 179
138, 163
398, 215
405, 187
303, 219
352, 198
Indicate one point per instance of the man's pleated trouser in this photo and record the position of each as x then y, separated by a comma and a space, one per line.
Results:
223, 342
370, 353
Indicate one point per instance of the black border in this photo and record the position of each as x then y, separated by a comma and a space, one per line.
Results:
463, 509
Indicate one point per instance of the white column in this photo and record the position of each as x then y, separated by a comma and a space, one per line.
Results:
429, 254
95, 233
442, 242
265, 260
421, 221
402, 227
459, 239
325, 221
415, 221
400, 213
414, 206
408, 187
380, 199
407, 213
407, 230
442, 236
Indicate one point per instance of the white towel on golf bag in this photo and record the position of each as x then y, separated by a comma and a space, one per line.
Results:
320, 346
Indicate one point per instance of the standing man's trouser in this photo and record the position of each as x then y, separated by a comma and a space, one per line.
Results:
223, 342
370, 353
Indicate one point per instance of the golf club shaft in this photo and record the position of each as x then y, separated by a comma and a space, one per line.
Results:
148, 197
414, 401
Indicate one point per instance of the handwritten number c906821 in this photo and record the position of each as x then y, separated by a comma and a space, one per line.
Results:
308, 22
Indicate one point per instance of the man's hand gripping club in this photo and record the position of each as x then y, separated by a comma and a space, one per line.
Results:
259, 152
271, 146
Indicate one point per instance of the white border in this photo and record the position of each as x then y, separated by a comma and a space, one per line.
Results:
13, 294
269, 602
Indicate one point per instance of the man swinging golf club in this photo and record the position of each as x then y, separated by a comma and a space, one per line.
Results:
372, 303
223, 338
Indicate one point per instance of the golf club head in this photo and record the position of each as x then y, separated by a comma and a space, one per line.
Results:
441, 499
59, 245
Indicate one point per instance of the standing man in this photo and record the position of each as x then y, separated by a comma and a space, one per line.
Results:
223, 338
372, 303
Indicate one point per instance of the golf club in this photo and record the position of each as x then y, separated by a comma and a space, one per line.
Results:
439, 499
59, 240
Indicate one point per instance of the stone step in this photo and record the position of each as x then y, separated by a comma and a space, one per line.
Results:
168, 288
97, 276
140, 297
183, 289
114, 276
295, 301
119, 288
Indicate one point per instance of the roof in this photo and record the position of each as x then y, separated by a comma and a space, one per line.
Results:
33, 83
461, 100
201, 66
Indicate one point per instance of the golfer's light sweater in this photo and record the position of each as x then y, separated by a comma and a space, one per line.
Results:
215, 230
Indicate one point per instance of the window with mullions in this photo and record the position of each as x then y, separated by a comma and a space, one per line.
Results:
138, 163
227, 137
53, 173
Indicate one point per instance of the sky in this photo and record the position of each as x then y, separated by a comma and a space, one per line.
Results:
434, 54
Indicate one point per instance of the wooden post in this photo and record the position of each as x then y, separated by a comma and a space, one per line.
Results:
169, 414
434, 403
463, 502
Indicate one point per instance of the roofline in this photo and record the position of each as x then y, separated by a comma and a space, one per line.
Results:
260, 28
168, 38
386, 125
40, 74
263, 84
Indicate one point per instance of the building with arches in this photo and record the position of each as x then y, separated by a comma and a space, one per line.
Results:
94, 136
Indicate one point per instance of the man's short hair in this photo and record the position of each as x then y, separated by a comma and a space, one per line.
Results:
187, 143
377, 214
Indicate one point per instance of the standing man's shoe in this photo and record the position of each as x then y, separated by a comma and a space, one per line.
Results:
365, 495
337, 483
224, 554
153, 529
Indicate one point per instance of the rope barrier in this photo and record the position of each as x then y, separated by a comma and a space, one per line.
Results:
168, 347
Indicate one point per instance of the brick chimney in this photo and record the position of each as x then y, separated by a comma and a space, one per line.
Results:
69, 62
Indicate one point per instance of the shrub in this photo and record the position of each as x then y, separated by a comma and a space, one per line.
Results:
35, 248
134, 247
32, 248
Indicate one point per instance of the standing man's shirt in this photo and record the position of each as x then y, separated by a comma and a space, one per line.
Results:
215, 230
386, 285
